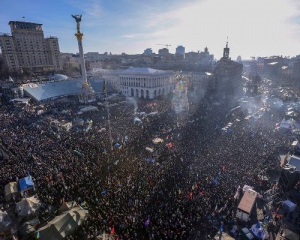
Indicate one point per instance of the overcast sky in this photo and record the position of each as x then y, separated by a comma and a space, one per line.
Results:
254, 27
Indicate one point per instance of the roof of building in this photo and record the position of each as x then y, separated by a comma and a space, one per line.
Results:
136, 70
58, 77
295, 162
247, 201
23, 22
202, 73
50, 90
197, 73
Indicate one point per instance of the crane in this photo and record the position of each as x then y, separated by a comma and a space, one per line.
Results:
167, 45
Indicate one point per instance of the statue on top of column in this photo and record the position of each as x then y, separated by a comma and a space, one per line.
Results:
78, 20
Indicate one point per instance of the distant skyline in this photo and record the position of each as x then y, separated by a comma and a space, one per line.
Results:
254, 27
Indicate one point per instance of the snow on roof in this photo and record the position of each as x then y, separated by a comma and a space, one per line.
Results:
136, 70
295, 162
50, 90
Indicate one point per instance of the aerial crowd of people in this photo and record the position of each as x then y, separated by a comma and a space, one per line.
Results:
186, 183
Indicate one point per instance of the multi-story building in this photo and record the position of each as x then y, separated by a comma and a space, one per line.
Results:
27, 48
148, 51
146, 82
200, 81
180, 51
228, 75
163, 52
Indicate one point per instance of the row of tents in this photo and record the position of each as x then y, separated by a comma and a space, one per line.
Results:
71, 214
12, 189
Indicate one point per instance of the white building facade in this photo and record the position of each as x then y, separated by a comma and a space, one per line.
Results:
146, 83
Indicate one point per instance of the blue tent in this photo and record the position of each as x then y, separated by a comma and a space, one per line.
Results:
26, 183
117, 145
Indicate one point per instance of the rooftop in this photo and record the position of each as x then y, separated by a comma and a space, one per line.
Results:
53, 90
295, 162
136, 70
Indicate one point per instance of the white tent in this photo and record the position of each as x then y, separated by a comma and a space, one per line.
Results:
287, 124
288, 234
157, 140
5, 221
246, 187
63, 225
89, 108
10, 189
149, 149
67, 126
28, 206
137, 120
288, 206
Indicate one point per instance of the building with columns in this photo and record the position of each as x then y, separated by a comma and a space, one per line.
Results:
146, 82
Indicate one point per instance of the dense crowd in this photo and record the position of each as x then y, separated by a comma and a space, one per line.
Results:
189, 187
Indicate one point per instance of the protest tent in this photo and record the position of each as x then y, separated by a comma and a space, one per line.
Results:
289, 206
10, 189
295, 144
294, 161
26, 183
224, 236
88, 109
28, 206
117, 145
5, 221
287, 124
64, 207
149, 149
288, 234
137, 120
63, 225
29, 226
246, 187
102, 130
259, 231
157, 140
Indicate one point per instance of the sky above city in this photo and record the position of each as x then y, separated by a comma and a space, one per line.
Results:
254, 27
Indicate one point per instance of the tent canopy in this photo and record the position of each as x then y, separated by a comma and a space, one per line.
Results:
5, 221
64, 207
10, 189
26, 183
289, 206
157, 140
63, 225
288, 234
28, 206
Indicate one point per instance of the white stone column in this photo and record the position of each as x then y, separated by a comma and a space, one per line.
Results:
82, 61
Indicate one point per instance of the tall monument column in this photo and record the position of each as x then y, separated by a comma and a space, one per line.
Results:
87, 94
